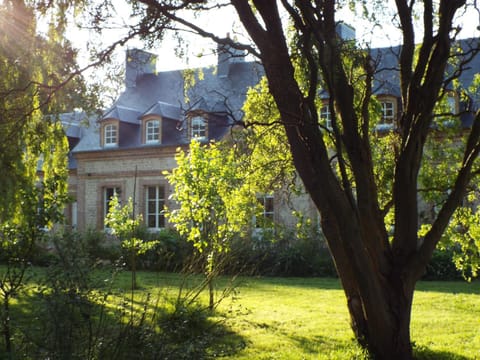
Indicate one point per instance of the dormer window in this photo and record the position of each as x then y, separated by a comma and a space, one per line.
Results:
110, 135
152, 131
198, 128
388, 110
326, 116
450, 105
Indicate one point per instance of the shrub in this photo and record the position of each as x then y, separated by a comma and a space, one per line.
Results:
282, 253
442, 267
170, 253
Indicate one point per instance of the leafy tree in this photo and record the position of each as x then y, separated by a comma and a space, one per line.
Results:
125, 226
370, 213
38, 205
214, 203
39, 78
378, 270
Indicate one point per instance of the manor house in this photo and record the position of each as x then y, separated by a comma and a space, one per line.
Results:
126, 151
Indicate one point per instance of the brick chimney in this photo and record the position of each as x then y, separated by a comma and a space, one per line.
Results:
138, 62
345, 31
226, 55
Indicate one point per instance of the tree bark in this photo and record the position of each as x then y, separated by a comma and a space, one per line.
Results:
378, 274
378, 285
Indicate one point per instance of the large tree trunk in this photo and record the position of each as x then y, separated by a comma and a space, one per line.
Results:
377, 274
379, 305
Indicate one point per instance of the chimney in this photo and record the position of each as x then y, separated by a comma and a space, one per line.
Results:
345, 31
226, 56
138, 62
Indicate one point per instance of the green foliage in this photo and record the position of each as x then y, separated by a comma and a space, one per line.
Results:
123, 224
171, 252
214, 202
36, 206
286, 254
463, 238
41, 80
269, 165
442, 267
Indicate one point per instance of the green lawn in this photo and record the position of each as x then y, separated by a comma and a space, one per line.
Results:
308, 319
298, 318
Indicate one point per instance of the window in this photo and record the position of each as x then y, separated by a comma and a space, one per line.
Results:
264, 218
110, 135
155, 201
452, 103
152, 131
73, 215
326, 116
388, 112
108, 194
198, 127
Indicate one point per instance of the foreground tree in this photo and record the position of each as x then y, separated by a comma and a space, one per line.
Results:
338, 166
36, 70
214, 203
125, 226
378, 272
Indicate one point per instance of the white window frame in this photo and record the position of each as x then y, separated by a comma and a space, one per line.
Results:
74, 215
388, 112
326, 115
268, 212
452, 103
198, 128
157, 200
110, 135
152, 131
107, 198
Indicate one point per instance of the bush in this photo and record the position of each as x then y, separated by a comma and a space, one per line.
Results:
441, 267
171, 252
95, 245
280, 254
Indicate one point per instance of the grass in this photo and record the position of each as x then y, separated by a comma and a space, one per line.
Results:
298, 318
308, 319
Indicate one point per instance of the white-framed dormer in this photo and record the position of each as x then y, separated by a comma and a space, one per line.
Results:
449, 106
389, 110
109, 132
152, 130
325, 114
198, 128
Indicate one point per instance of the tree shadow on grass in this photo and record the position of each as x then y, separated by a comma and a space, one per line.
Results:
351, 350
424, 353
67, 325
451, 287
328, 345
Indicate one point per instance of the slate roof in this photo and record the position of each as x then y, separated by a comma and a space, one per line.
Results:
123, 113
163, 94
76, 126
219, 91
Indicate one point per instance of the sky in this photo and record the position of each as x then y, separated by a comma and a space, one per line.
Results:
225, 22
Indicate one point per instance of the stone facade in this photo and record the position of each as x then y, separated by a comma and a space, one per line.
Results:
128, 170
128, 149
